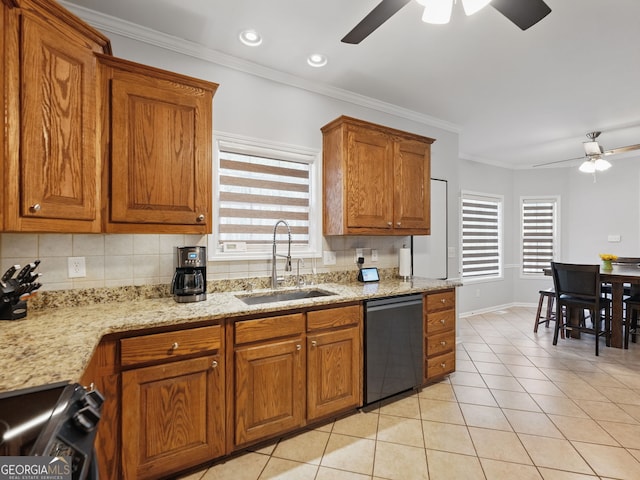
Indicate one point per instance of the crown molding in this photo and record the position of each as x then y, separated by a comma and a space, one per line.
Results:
117, 26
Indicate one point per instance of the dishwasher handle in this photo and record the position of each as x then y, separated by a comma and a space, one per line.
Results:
388, 303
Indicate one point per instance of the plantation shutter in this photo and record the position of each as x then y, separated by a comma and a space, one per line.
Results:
538, 235
480, 236
255, 192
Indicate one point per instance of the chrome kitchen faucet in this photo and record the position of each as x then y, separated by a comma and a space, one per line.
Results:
275, 280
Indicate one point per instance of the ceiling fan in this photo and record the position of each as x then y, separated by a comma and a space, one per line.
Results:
594, 155
524, 13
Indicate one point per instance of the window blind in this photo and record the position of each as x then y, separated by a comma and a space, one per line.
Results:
481, 250
538, 235
255, 192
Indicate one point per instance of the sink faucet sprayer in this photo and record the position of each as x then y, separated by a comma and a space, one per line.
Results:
275, 280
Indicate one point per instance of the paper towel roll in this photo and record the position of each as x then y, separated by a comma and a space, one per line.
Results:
404, 262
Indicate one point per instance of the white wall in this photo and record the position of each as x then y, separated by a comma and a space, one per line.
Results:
248, 105
589, 213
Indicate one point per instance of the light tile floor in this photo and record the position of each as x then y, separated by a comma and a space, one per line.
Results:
517, 408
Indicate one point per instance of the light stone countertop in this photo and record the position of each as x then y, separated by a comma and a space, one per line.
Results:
55, 345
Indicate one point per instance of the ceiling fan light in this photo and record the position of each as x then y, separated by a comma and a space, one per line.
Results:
437, 12
587, 166
601, 164
472, 6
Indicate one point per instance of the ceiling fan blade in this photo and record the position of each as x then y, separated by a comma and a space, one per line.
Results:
380, 14
559, 161
524, 13
615, 151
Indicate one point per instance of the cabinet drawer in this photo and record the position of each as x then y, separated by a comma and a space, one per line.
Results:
441, 321
441, 365
441, 301
248, 331
161, 346
333, 317
440, 343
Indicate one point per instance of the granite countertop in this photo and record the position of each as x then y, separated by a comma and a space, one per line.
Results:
55, 345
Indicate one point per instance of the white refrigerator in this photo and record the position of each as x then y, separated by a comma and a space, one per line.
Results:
429, 252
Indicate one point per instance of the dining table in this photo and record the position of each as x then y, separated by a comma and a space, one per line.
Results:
618, 276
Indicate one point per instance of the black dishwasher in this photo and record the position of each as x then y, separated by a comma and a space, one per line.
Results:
393, 337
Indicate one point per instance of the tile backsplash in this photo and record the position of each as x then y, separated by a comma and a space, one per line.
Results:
116, 260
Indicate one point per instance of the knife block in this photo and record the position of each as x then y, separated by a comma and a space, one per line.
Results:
13, 311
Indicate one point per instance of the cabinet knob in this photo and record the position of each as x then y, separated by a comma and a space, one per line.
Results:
390, 224
200, 218
35, 208
443, 365
214, 364
443, 301
443, 343
443, 321
174, 346
398, 224
298, 347
314, 343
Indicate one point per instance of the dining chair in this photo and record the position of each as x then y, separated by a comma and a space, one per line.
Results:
578, 288
631, 310
549, 314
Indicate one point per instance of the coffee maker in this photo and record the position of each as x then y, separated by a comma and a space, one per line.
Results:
189, 283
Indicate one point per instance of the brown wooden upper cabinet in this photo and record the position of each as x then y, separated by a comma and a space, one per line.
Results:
376, 180
92, 143
51, 173
158, 127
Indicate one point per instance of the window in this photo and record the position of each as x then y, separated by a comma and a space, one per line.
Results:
539, 234
481, 236
257, 184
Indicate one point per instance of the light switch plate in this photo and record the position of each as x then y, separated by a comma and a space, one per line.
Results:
613, 238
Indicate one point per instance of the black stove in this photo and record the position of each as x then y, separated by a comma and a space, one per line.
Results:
57, 420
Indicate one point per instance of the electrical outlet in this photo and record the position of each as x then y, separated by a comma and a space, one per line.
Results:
328, 257
77, 267
374, 255
359, 254
477, 293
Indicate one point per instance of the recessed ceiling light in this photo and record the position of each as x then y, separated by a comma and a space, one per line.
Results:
317, 60
250, 38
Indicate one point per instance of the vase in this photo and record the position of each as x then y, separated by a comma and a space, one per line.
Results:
606, 265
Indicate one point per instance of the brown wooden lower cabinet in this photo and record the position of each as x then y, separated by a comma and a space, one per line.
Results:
439, 334
179, 398
172, 416
270, 389
333, 372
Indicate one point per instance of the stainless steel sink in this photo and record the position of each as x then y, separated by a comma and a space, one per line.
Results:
283, 296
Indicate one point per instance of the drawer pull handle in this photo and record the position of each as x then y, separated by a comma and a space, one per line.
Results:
443, 343
174, 346
298, 347
214, 364
443, 321
442, 300
314, 343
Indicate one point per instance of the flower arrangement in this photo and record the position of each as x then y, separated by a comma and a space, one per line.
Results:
608, 257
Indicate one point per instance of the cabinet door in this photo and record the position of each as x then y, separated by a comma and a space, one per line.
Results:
369, 179
172, 416
333, 372
59, 181
269, 389
161, 153
411, 207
